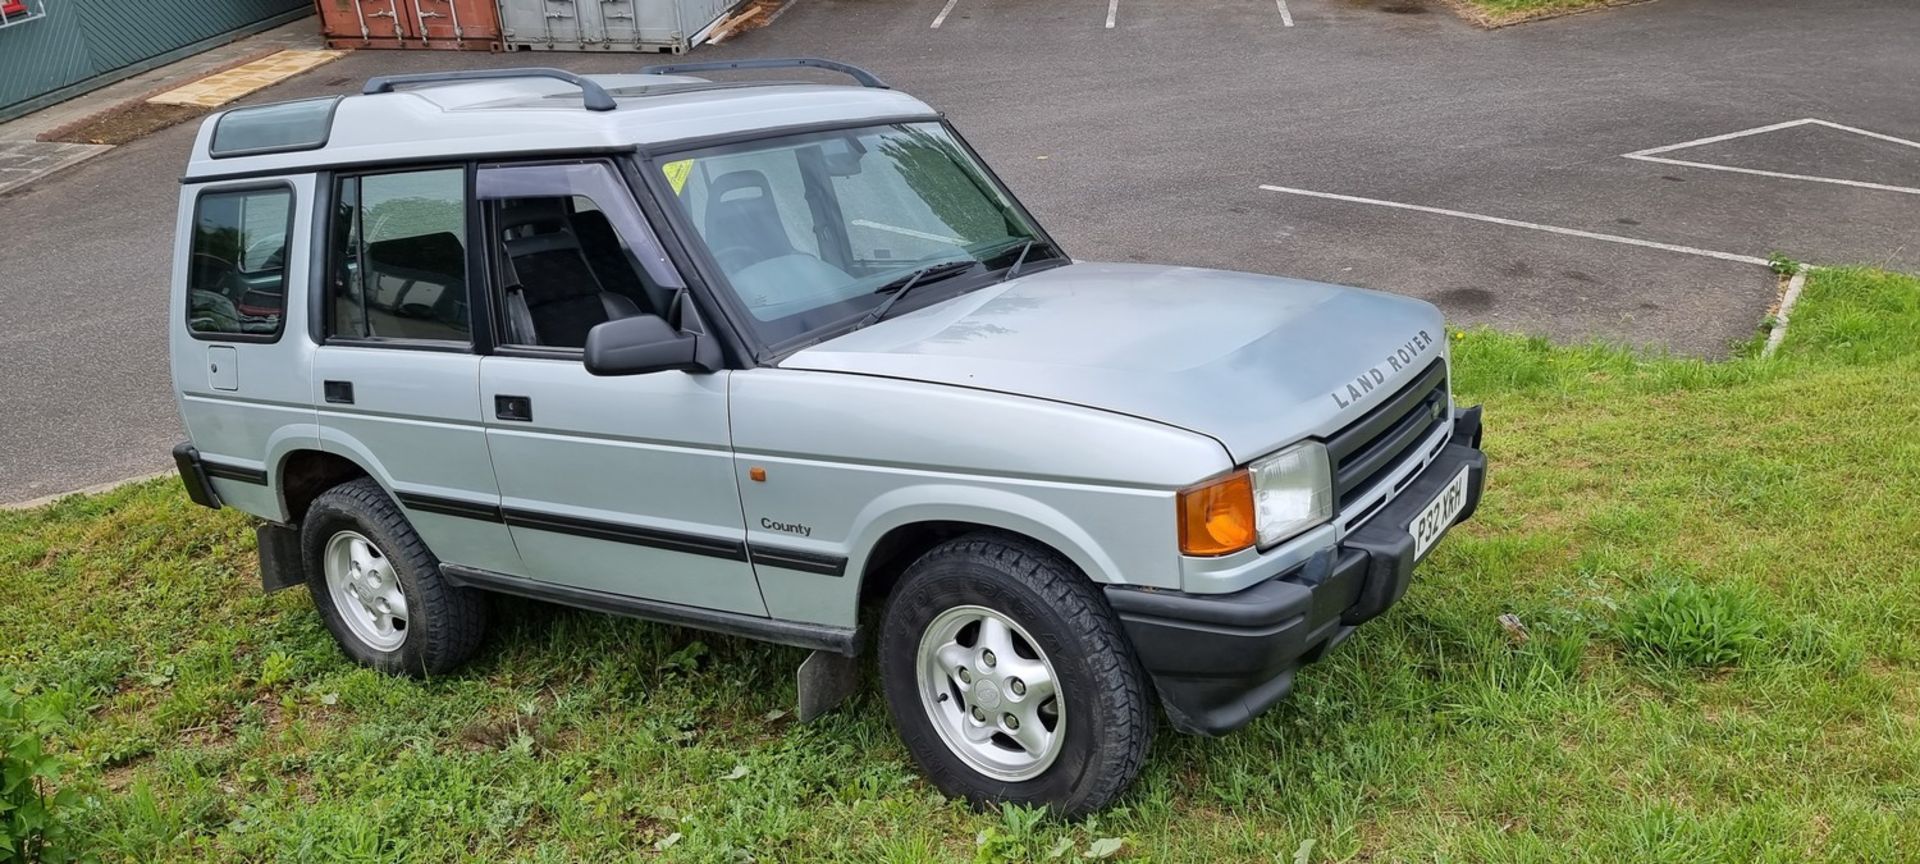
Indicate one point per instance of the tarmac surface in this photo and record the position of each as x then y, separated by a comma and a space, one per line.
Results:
1486, 171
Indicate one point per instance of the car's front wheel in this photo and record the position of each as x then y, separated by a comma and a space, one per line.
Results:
1009, 677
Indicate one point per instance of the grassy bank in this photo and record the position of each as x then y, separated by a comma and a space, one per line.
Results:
1717, 658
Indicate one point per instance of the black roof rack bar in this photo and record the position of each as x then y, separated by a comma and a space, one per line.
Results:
866, 79
595, 96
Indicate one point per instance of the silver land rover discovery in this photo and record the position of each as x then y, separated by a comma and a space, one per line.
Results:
787, 361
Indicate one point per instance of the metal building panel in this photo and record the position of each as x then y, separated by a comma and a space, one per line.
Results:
607, 25
43, 55
79, 41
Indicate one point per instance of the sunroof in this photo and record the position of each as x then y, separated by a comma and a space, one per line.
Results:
279, 128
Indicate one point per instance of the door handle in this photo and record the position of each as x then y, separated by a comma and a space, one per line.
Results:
338, 392
517, 408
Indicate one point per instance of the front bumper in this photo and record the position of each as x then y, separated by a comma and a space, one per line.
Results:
1219, 660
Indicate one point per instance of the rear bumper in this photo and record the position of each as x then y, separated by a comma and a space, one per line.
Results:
1220, 660
193, 475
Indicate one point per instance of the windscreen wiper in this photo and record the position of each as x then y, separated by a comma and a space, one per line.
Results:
904, 284
1021, 259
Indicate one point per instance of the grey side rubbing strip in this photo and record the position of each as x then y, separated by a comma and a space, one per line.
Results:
673, 541
450, 507
240, 473
794, 559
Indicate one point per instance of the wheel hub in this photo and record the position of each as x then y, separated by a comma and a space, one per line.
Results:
365, 590
991, 693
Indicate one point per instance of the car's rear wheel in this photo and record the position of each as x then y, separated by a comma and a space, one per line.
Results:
1009, 677
379, 589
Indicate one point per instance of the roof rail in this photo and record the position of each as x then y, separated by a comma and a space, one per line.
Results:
866, 79
593, 95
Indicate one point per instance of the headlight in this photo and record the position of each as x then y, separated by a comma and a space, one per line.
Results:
1292, 491
1271, 500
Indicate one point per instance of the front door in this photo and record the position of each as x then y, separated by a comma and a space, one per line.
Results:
624, 485
396, 377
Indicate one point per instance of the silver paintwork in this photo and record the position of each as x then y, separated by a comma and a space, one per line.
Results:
998, 709
1069, 405
1247, 360
365, 590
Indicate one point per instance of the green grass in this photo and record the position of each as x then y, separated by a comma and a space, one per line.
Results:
1714, 564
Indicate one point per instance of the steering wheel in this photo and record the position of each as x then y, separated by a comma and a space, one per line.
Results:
734, 259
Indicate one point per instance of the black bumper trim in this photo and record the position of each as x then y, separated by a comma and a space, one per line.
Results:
1220, 660
193, 475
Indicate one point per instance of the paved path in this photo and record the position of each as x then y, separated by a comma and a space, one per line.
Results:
1152, 139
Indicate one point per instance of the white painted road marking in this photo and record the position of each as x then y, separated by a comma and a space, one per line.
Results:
779, 12
1286, 17
1651, 155
1531, 226
1779, 333
944, 12
1113, 11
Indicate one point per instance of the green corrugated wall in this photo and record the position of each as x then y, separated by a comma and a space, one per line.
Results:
82, 43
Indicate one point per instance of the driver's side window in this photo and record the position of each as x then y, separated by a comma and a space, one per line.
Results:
236, 266
570, 251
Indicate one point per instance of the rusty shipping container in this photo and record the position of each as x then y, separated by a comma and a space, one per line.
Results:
464, 25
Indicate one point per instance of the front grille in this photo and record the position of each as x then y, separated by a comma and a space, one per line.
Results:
1369, 448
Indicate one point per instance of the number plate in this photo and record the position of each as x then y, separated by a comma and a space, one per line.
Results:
1435, 518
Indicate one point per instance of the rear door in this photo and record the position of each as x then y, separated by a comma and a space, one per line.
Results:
396, 377
241, 377
622, 486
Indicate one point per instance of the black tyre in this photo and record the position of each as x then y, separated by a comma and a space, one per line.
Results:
379, 589
1009, 677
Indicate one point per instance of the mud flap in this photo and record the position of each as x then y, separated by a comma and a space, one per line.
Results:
826, 679
280, 563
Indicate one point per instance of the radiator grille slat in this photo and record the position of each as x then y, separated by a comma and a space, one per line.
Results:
1372, 446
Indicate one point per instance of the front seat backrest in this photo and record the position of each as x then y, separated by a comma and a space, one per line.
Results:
562, 296
741, 215
609, 259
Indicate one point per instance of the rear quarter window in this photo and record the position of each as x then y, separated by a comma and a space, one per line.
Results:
237, 263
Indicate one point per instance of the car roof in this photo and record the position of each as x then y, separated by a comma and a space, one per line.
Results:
506, 116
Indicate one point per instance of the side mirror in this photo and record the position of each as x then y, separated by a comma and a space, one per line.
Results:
638, 345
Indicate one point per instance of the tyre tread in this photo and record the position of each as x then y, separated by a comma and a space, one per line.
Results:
1114, 668
453, 618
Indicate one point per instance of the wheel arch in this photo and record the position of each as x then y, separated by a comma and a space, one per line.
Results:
303, 474
896, 533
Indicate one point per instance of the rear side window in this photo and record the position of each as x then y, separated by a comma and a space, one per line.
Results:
237, 264
400, 257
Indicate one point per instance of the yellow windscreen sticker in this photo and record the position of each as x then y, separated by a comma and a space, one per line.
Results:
677, 173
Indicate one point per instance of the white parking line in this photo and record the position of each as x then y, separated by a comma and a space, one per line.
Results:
1531, 226
944, 12
1286, 17
1651, 155
779, 12
1113, 11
